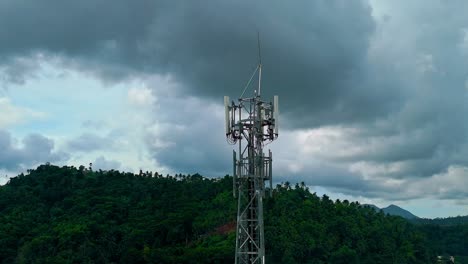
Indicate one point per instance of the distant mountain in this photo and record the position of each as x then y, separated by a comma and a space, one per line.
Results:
394, 210
372, 206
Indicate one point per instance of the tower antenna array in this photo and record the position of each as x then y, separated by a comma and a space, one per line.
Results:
254, 122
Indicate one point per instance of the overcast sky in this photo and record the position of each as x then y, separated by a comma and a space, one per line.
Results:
373, 94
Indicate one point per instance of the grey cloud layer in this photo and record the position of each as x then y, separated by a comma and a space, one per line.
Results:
395, 83
35, 149
428, 133
79, 28
314, 52
187, 136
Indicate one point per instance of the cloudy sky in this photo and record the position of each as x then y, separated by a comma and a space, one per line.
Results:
373, 94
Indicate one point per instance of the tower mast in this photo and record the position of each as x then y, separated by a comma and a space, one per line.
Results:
256, 122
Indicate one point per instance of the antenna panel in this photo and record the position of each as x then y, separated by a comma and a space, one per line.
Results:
227, 120
276, 113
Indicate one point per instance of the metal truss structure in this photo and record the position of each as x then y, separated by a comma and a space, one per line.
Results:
254, 122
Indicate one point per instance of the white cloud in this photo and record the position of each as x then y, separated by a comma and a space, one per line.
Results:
11, 115
447, 185
141, 96
346, 160
94, 118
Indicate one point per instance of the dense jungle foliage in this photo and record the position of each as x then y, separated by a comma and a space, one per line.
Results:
76, 215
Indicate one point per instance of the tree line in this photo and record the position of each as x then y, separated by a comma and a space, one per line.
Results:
77, 215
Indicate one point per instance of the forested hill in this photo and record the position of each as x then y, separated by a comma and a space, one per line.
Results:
75, 215
449, 221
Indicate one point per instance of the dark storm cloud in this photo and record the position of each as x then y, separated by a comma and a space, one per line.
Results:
35, 149
406, 102
102, 34
314, 52
77, 28
397, 81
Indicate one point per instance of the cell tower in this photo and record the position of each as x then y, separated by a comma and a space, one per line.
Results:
256, 121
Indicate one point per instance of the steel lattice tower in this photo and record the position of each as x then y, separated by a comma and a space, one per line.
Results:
256, 122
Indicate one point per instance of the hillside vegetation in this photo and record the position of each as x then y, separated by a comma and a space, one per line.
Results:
75, 215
